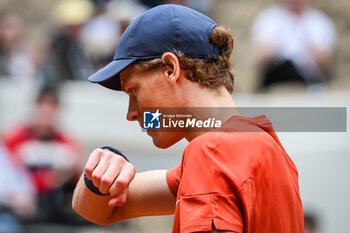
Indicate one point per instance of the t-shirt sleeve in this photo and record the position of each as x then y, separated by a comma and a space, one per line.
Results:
265, 26
208, 193
322, 32
173, 179
199, 213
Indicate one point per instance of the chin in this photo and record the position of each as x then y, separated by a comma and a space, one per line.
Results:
164, 140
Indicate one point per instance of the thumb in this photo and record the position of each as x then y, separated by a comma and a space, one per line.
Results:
119, 200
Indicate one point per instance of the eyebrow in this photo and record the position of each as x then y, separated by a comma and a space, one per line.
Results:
126, 89
123, 84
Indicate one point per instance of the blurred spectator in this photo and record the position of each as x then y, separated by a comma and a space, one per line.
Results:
204, 6
123, 12
17, 195
53, 160
178, 2
16, 60
100, 34
200, 5
293, 43
67, 60
152, 3
112, 17
310, 222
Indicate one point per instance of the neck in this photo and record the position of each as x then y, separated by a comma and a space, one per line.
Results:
207, 103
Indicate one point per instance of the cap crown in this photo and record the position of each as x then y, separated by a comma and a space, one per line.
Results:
167, 28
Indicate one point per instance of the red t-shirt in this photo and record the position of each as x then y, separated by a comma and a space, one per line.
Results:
239, 180
46, 158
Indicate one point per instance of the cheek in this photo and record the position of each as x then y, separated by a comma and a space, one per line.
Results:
152, 96
154, 92
143, 97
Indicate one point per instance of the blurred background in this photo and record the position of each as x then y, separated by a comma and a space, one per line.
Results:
288, 53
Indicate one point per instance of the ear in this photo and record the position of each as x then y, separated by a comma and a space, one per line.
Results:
172, 67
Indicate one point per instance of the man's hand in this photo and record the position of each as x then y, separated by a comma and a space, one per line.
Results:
111, 174
143, 194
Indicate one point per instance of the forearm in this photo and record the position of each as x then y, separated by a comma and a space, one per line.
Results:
90, 206
129, 195
264, 52
323, 59
149, 195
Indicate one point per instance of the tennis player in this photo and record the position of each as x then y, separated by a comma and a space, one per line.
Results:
237, 178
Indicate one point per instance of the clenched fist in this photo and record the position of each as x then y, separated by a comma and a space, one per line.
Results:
111, 174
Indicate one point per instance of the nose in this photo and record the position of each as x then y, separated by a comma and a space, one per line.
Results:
133, 110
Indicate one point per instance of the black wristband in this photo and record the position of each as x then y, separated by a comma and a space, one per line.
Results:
89, 184
116, 151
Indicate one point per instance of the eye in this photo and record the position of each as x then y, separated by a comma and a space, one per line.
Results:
131, 89
131, 92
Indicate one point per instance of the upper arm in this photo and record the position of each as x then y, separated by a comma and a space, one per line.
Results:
208, 196
148, 195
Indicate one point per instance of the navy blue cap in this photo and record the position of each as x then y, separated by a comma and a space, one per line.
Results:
165, 28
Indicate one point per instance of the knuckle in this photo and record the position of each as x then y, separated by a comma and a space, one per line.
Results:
113, 191
118, 158
97, 152
122, 183
110, 155
106, 180
132, 170
131, 176
103, 190
89, 169
95, 175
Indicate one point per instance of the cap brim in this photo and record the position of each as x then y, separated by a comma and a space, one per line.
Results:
108, 76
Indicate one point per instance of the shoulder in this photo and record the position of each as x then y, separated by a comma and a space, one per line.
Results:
17, 133
319, 18
315, 14
231, 157
242, 140
236, 129
321, 27
209, 142
233, 146
265, 22
271, 12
